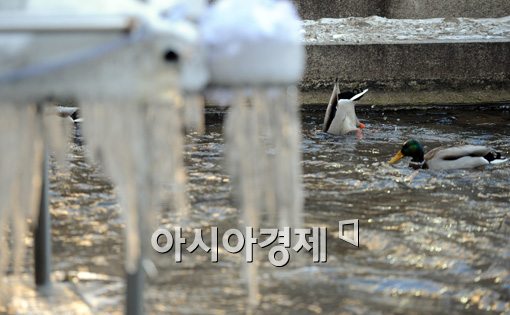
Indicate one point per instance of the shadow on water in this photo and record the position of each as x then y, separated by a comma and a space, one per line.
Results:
430, 242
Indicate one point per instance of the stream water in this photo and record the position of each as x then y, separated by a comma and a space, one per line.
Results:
430, 241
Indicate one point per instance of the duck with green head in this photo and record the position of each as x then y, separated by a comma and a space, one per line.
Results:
464, 156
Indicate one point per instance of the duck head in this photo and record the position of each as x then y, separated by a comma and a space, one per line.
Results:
411, 148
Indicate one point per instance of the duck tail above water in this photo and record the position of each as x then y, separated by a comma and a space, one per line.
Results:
359, 95
332, 107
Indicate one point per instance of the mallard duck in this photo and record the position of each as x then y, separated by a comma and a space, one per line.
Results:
340, 115
72, 113
464, 156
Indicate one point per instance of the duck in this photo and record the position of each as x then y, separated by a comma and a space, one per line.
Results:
71, 113
340, 117
445, 158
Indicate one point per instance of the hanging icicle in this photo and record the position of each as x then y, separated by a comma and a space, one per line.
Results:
120, 77
24, 132
194, 113
262, 135
118, 68
255, 48
141, 147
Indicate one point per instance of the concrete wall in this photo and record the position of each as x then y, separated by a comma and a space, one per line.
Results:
313, 10
400, 9
427, 66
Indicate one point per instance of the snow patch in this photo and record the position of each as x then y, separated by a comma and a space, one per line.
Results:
379, 30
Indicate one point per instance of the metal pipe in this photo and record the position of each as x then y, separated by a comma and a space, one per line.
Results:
29, 23
42, 233
134, 291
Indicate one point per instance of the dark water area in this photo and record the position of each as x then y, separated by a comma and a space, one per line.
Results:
431, 242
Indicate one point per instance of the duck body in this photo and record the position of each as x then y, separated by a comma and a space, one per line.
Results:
446, 158
340, 115
344, 119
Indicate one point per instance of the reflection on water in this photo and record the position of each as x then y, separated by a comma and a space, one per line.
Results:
430, 242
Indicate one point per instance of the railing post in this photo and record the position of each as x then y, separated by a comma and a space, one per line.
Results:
134, 291
42, 233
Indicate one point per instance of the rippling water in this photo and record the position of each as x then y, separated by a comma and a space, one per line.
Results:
430, 241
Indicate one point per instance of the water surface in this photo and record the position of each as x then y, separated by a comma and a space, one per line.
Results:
430, 241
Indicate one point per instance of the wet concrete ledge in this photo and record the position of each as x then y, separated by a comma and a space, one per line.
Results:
402, 9
411, 73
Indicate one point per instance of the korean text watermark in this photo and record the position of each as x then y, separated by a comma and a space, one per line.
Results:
234, 241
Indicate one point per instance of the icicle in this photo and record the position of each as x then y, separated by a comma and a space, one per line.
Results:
283, 169
57, 132
168, 152
194, 113
273, 179
269, 205
20, 166
8, 137
27, 187
262, 135
250, 162
115, 136
241, 133
288, 157
141, 147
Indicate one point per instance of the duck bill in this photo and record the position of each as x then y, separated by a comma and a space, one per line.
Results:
396, 158
361, 125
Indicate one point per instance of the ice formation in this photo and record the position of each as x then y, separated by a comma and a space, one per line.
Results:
256, 51
138, 85
24, 131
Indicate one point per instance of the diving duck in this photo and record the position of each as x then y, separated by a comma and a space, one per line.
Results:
340, 115
464, 156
